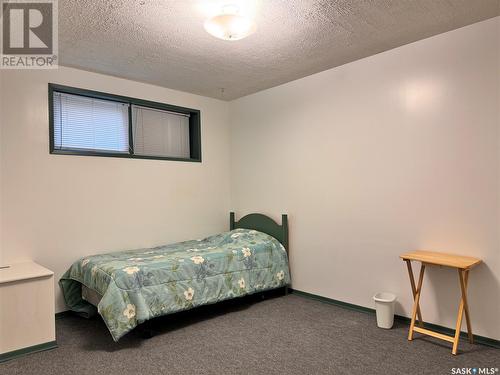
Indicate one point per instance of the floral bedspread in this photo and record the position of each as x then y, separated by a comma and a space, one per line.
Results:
138, 285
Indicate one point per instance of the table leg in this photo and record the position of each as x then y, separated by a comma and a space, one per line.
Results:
466, 306
414, 292
463, 307
416, 302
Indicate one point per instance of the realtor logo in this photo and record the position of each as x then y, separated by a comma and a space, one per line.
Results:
29, 34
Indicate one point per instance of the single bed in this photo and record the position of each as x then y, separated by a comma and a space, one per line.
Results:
130, 287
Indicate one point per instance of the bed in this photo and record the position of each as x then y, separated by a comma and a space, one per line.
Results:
130, 287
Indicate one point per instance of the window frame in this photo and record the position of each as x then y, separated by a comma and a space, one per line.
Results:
194, 124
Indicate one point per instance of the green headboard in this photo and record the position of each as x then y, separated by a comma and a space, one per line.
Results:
264, 224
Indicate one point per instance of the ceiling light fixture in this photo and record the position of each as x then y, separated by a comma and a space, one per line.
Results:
230, 24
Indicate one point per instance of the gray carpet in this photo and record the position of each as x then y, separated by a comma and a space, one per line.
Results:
282, 335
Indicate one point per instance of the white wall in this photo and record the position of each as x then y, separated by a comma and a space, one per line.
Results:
58, 208
1, 178
395, 152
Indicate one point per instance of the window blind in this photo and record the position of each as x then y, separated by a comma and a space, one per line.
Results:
160, 133
83, 123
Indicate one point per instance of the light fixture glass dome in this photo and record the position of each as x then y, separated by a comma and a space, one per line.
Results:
230, 26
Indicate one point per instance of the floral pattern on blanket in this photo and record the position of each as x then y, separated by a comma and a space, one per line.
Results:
138, 285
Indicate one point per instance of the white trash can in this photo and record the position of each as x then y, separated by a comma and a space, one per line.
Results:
384, 306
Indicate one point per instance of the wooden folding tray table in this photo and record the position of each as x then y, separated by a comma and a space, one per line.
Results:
463, 265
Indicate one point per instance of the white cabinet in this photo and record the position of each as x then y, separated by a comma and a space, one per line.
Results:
27, 320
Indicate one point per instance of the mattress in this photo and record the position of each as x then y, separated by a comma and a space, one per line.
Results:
130, 287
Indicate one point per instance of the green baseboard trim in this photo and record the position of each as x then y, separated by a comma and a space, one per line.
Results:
403, 319
330, 301
29, 350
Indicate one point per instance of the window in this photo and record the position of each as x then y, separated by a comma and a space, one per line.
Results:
82, 123
91, 123
160, 133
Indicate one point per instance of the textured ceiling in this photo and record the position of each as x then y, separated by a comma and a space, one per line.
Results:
163, 41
